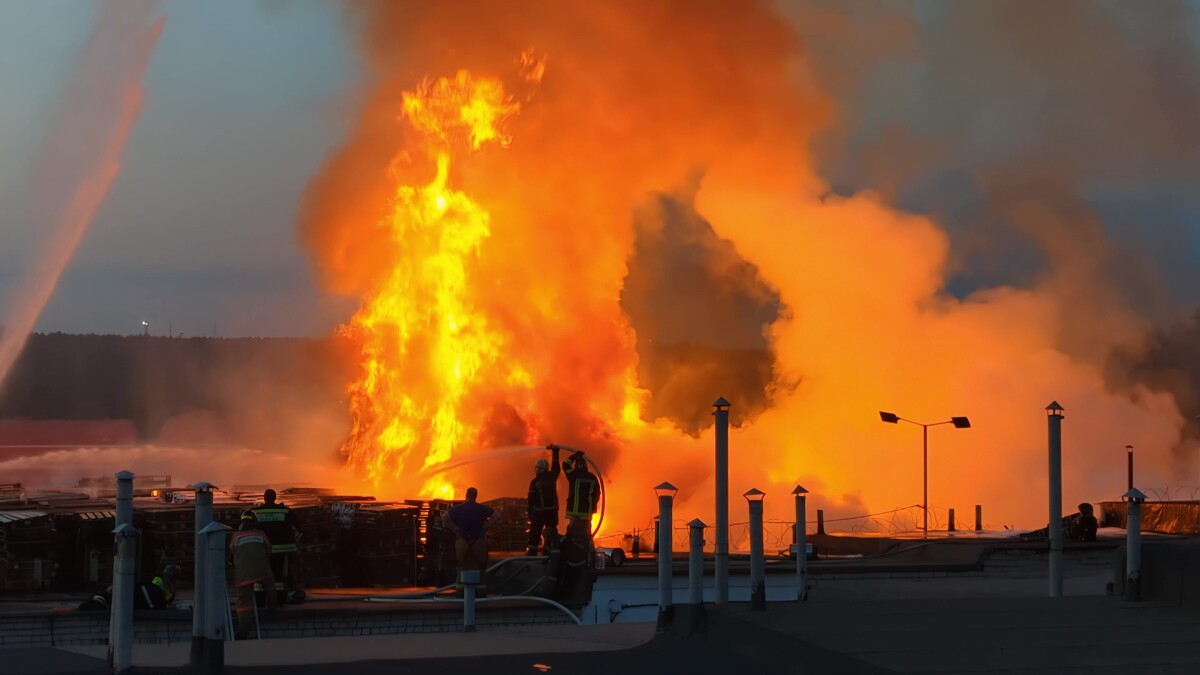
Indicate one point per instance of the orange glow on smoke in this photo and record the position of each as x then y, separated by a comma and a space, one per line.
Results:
489, 233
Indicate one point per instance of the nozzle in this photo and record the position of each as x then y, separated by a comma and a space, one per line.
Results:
552, 446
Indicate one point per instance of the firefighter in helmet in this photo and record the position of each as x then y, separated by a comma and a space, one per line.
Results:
275, 519
583, 496
543, 504
251, 551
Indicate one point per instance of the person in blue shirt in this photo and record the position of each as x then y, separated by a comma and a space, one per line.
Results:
469, 521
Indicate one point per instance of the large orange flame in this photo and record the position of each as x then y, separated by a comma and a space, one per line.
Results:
494, 280
423, 340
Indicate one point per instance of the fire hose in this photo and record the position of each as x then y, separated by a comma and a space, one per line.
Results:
599, 478
452, 464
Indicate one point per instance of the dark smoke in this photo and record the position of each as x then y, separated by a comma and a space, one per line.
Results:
1056, 142
1086, 103
701, 314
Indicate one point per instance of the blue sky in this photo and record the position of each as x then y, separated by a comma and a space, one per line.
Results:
243, 101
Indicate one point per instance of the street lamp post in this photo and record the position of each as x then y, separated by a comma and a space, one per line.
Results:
958, 422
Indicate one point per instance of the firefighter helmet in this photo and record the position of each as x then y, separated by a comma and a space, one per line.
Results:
249, 514
541, 466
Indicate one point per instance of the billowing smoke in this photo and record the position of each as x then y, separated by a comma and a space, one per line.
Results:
841, 295
81, 155
680, 266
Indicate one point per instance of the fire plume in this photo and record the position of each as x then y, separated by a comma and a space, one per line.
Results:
424, 341
658, 233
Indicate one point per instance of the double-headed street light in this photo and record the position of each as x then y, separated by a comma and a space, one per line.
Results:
958, 422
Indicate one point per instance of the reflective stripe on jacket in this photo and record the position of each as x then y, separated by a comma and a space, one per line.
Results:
275, 520
583, 494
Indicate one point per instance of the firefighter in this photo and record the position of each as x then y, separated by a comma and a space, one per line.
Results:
543, 504
158, 593
275, 520
251, 551
583, 496
469, 521
165, 585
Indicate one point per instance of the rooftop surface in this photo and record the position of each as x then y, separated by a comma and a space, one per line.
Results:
1095, 634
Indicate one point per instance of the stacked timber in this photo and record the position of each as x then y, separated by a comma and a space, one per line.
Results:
168, 537
84, 545
435, 557
317, 544
512, 534
385, 539
30, 563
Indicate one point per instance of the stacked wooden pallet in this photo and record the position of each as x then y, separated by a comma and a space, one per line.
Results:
435, 557
84, 546
168, 537
317, 544
512, 534
385, 541
30, 560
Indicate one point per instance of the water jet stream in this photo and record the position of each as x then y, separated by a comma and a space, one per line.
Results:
92, 118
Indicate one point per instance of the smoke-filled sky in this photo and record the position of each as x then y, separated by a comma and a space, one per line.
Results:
941, 106
821, 208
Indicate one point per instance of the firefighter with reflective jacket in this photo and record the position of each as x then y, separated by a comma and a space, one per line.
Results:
251, 551
163, 592
275, 519
543, 504
583, 496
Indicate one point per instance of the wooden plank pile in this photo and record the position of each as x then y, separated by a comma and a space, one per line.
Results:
29, 561
168, 537
384, 539
317, 544
435, 557
512, 534
84, 546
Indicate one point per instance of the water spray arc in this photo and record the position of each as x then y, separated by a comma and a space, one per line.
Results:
121, 43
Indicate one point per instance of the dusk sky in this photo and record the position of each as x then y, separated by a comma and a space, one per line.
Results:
244, 100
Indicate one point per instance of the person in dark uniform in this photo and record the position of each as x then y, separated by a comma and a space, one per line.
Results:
158, 593
469, 521
583, 496
1083, 525
543, 504
164, 585
251, 552
275, 520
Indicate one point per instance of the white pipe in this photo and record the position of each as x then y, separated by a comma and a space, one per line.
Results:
203, 514
1056, 529
721, 475
122, 609
665, 516
216, 613
801, 548
1133, 545
123, 516
507, 598
696, 562
469, 579
758, 598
